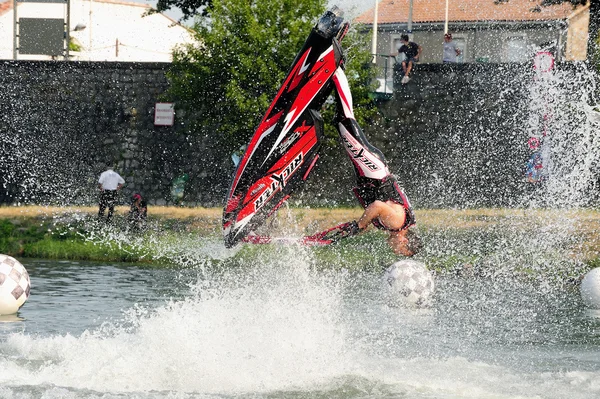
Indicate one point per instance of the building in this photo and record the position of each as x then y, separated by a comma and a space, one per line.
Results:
100, 30
485, 30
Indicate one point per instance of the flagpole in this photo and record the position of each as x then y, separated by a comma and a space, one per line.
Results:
446, 23
374, 42
410, 16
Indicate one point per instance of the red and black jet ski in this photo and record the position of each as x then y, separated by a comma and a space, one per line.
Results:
284, 148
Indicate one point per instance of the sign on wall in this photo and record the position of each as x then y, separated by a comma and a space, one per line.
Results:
164, 114
42, 36
543, 61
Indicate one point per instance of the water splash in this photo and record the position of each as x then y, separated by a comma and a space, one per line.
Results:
571, 148
264, 328
544, 234
278, 328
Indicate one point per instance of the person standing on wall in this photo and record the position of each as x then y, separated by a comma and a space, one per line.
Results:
451, 50
110, 183
412, 53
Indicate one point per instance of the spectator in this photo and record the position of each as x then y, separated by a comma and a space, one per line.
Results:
412, 52
451, 51
110, 183
138, 212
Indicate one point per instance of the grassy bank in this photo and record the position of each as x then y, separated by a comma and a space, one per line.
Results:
531, 239
73, 233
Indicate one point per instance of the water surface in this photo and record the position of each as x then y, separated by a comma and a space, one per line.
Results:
94, 330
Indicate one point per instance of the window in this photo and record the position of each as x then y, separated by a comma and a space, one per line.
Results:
461, 43
516, 49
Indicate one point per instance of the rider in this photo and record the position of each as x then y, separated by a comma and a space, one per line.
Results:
390, 211
386, 205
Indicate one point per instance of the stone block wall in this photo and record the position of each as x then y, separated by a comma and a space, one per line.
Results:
456, 135
61, 123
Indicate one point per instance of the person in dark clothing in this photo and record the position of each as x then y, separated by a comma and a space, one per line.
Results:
138, 211
412, 53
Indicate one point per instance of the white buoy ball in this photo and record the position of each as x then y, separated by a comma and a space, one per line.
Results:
410, 281
590, 288
14, 285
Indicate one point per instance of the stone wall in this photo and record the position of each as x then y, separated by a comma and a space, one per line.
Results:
455, 135
62, 122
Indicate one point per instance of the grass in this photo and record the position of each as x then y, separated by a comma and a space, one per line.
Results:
455, 239
72, 249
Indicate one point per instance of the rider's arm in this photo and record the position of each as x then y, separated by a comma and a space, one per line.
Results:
387, 215
371, 213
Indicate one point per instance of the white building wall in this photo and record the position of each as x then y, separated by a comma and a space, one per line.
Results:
114, 31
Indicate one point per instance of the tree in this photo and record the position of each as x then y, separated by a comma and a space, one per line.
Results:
227, 81
189, 8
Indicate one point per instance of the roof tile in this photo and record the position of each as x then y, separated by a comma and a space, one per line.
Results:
5, 7
396, 11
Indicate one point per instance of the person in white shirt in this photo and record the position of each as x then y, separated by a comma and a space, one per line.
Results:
451, 50
110, 183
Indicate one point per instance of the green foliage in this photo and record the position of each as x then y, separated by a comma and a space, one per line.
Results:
74, 46
42, 238
15, 234
594, 263
245, 50
461, 250
366, 253
188, 8
6, 228
73, 249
